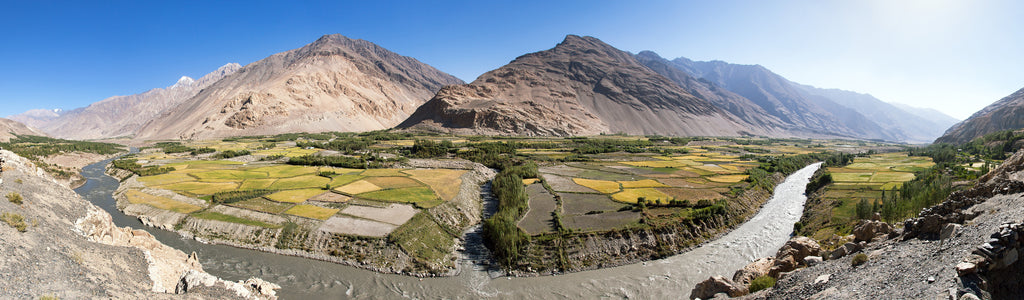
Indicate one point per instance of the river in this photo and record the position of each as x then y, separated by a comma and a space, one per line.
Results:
672, 277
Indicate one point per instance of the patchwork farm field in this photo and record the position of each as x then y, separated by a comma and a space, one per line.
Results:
394, 189
868, 178
353, 201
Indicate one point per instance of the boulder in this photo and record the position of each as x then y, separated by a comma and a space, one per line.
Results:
753, 270
799, 247
844, 250
868, 230
714, 285
949, 231
813, 260
783, 265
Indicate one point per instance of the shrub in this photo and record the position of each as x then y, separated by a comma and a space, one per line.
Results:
15, 220
761, 283
859, 259
15, 198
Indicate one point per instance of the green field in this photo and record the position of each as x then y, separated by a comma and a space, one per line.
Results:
294, 196
209, 215
311, 211
262, 205
135, 196
421, 196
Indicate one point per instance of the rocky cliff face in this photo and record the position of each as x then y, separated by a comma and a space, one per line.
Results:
332, 84
1004, 114
122, 116
57, 244
581, 87
9, 128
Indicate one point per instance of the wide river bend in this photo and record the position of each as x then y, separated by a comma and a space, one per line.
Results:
672, 277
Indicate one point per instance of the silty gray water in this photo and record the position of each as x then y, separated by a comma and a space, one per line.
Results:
671, 277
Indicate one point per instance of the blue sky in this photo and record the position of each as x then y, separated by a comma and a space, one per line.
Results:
954, 56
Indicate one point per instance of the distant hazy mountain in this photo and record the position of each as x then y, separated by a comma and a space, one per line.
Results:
120, 116
37, 117
582, 86
8, 128
332, 84
704, 89
1005, 114
929, 114
912, 127
800, 112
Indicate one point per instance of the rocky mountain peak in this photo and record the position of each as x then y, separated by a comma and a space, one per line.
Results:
582, 86
183, 81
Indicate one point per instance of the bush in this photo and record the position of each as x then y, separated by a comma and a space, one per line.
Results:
761, 283
15, 198
15, 220
859, 259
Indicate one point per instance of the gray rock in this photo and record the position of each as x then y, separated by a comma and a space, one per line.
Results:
868, 230
714, 285
813, 260
966, 268
949, 231
823, 279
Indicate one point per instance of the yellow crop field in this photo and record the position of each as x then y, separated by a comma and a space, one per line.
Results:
529, 181
642, 183
603, 186
228, 175
444, 182
393, 182
200, 188
851, 176
165, 179
299, 182
136, 196
882, 177
311, 211
383, 172
727, 178
714, 169
286, 171
254, 184
294, 196
655, 163
358, 187
631, 195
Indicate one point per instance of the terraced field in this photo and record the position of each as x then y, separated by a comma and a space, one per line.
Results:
865, 179
300, 191
593, 194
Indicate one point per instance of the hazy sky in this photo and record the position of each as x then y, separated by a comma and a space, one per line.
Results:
954, 56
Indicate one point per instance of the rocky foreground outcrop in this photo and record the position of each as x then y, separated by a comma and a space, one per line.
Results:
968, 247
60, 245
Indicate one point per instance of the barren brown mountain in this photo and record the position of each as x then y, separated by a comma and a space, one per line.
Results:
1005, 114
332, 84
9, 128
582, 86
122, 116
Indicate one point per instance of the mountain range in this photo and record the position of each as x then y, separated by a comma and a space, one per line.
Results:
120, 116
582, 86
9, 128
1005, 114
332, 84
